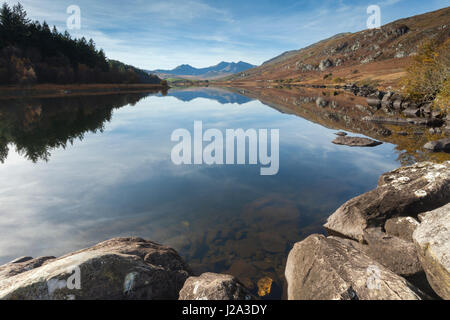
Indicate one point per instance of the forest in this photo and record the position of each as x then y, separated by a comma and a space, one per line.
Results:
32, 53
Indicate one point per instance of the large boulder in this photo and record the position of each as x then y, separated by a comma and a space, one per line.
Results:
432, 238
320, 268
212, 286
396, 254
121, 268
406, 191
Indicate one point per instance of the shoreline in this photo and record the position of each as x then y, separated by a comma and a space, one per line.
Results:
54, 90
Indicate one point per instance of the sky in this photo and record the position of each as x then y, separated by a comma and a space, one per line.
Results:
162, 34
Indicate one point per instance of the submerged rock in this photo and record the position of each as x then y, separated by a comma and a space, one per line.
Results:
213, 286
432, 239
356, 141
121, 268
406, 191
320, 268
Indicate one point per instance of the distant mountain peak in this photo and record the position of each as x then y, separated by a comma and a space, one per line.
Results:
222, 69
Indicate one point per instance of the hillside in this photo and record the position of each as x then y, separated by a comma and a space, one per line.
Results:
377, 56
220, 70
31, 53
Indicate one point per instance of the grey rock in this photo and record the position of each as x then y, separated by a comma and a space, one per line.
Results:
426, 109
325, 64
432, 239
356, 142
442, 145
121, 268
401, 227
22, 259
411, 112
397, 104
320, 268
374, 102
400, 54
397, 255
435, 131
384, 132
22, 265
406, 191
321, 102
436, 114
341, 134
386, 101
212, 286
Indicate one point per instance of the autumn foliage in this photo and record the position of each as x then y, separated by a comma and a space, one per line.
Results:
428, 76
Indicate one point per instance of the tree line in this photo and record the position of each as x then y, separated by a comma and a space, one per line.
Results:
31, 53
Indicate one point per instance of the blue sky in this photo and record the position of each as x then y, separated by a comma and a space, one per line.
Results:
160, 34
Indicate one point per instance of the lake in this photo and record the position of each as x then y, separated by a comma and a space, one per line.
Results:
79, 170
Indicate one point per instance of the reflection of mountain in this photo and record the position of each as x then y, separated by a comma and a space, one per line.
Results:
36, 126
345, 112
219, 95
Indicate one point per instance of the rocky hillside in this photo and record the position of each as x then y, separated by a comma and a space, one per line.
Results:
377, 55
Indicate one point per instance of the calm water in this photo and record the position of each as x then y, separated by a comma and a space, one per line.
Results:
77, 171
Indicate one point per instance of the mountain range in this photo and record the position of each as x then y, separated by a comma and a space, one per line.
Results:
222, 69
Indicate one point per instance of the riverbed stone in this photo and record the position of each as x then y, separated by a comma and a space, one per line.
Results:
213, 286
432, 239
406, 191
120, 268
320, 268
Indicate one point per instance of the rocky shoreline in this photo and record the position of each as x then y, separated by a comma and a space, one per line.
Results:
393, 104
391, 243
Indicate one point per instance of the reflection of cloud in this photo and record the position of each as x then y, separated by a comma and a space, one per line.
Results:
122, 182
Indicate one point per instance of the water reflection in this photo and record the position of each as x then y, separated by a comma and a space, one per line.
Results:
120, 181
36, 126
220, 95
